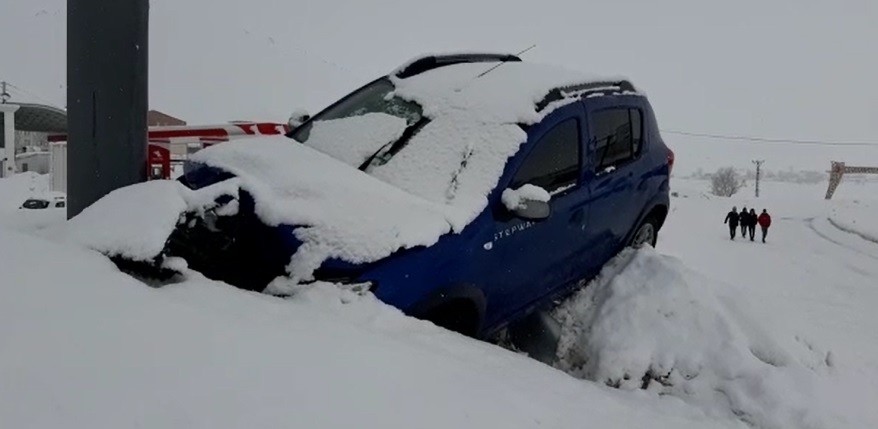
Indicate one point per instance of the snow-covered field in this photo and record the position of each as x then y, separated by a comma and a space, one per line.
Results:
703, 332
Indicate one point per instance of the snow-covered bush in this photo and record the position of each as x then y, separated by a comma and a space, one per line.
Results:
725, 182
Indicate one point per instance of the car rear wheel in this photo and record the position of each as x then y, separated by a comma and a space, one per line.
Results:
646, 233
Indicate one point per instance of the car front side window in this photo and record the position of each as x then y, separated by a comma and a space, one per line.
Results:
553, 164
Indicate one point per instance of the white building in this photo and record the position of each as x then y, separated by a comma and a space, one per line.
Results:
24, 126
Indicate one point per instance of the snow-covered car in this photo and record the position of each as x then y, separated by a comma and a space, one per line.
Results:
467, 189
39, 203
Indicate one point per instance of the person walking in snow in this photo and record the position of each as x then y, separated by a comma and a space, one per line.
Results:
732, 220
752, 225
744, 219
764, 222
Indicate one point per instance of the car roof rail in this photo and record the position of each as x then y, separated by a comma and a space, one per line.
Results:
431, 62
585, 89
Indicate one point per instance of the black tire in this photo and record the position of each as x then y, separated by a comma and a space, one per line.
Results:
646, 233
459, 315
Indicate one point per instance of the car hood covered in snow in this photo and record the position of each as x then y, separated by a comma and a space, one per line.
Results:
342, 212
438, 183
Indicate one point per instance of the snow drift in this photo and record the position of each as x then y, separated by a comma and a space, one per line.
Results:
650, 323
82, 345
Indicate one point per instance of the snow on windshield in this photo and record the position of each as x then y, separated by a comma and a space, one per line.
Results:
354, 139
459, 156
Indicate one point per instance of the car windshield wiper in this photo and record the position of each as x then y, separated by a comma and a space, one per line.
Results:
386, 152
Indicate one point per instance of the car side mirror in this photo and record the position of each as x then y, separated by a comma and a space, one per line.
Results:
299, 117
527, 202
533, 210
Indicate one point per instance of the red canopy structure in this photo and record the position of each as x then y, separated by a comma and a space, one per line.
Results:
206, 134
161, 139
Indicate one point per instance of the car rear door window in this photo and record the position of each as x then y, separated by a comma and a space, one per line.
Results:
553, 164
618, 135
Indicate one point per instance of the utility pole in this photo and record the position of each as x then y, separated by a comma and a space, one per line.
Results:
758, 173
106, 98
4, 95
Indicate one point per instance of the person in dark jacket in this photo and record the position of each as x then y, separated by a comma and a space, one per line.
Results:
744, 219
752, 225
732, 220
764, 222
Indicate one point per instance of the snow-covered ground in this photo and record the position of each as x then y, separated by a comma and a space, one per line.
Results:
15, 190
721, 334
780, 334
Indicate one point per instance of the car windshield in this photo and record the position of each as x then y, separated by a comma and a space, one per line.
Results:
377, 97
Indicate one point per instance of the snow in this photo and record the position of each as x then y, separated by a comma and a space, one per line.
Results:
145, 216
811, 287
423, 55
353, 139
513, 199
860, 218
136, 221
506, 95
732, 334
19, 188
344, 213
82, 345
347, 214
455, 160
459, 156
651, 323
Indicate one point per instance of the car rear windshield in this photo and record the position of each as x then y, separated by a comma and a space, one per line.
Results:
377, 97
35, 204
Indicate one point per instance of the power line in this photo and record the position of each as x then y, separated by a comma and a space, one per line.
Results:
768, 140
30, 94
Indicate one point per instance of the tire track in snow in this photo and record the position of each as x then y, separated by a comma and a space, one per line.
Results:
810, 223
852, 231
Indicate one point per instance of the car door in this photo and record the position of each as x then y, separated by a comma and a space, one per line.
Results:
532, 258
614, 146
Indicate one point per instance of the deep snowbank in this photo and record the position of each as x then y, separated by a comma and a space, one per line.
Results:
82, 345
650, 323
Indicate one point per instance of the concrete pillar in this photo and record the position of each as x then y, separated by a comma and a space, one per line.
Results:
8, 155
106, 98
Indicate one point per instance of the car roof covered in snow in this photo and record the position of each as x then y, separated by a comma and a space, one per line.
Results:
498, 86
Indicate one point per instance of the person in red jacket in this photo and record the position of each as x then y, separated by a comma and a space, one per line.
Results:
764, 222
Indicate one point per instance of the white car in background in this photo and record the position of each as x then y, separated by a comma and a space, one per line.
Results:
45, 202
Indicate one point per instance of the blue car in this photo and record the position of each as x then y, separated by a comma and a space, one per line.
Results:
583, 173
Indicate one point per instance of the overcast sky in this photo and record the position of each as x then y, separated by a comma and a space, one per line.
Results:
789, 69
